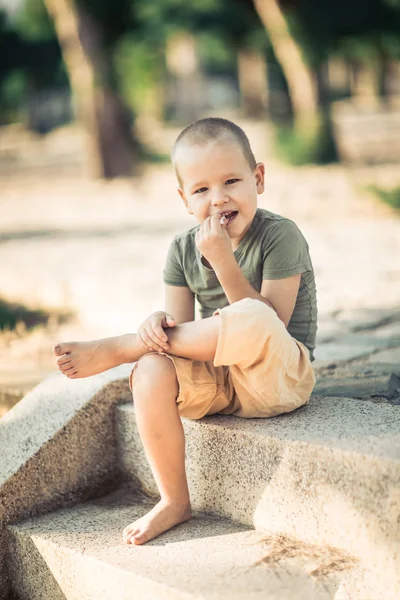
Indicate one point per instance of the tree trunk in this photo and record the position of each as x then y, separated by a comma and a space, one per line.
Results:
111, 149
363, 81
184, 66
383, 73
339, 76
252, 74
300, 79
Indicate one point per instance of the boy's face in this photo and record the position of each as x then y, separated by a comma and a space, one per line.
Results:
217, 178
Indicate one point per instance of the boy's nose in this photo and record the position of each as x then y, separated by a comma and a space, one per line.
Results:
219, 197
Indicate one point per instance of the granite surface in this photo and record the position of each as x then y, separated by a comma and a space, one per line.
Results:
79, 554
58, 447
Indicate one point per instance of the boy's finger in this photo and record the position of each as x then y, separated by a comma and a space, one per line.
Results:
170, 321
206, 225
156, 341
150, 342
156, 332
159, 331
146, 340
215, 224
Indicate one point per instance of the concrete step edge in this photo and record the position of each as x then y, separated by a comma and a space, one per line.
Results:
274, 475
79, 553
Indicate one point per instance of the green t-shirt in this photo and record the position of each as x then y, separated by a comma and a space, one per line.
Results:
272, 248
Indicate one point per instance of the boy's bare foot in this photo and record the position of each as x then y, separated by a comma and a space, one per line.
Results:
162, 517
82, 359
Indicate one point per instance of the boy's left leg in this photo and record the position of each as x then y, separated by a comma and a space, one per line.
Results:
196, 340
270, 371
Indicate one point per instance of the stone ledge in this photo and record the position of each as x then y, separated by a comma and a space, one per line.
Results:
367, 380
52, 446
326, 473
206, 558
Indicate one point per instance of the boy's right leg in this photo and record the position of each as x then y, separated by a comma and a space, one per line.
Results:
155, 390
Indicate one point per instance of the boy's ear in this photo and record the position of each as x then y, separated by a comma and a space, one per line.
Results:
185, 202
259, 174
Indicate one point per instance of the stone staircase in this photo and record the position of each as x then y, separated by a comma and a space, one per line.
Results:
300, 506
77, 554
303, 506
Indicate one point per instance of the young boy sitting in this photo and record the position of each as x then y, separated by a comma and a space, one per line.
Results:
250, 355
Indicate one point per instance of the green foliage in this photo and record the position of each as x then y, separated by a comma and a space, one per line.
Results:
135, 33
153, 157
232, 21
139, 68
215, 54
114, 17
368, 48
12, 313
394, 3
391, 197
220, 26
354, 28
311, 145
12, 94
391, 44
33, 22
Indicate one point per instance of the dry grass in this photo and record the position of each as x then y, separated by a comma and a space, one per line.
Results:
318, 561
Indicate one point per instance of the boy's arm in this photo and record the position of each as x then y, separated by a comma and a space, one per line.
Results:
279, 294
179, 302
213, 242
282, 295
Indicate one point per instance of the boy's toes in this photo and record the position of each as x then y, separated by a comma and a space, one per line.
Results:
57, 349
138, 538
63, 361
60, 349
128, 533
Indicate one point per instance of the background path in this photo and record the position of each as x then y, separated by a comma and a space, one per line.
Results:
98, 248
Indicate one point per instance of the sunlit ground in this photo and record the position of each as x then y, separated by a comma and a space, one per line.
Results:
98, 249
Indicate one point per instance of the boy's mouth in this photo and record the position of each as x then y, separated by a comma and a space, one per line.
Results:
228, 217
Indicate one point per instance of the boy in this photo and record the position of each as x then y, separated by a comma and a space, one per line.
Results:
250, 354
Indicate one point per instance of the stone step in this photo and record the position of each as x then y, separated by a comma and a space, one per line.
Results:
327, 474
78, 553
367, 380
16, 380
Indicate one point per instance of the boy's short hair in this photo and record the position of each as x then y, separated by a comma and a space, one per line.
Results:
213, 128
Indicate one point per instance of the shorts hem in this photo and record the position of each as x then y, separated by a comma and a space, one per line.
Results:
156, 354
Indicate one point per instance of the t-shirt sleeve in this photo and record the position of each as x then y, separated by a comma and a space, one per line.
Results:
173, 270
285, 252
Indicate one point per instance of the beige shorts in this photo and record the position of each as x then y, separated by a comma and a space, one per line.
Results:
259, 369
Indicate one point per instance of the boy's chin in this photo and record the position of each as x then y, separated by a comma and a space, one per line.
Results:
238, 227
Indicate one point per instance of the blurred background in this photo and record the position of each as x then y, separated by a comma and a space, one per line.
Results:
92, 96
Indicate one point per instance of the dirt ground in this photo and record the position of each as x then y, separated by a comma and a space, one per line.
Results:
98, 248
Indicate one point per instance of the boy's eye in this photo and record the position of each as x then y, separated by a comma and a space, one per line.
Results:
200, 190
232, 181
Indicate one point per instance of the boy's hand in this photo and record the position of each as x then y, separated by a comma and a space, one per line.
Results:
213, 241
151, 331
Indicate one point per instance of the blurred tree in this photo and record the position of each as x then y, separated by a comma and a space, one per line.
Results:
83, 37
28, 61
117, 48
365, 33
148, 58
299, 77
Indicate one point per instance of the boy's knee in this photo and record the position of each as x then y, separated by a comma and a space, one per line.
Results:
154, 371
258, 311
250, 330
